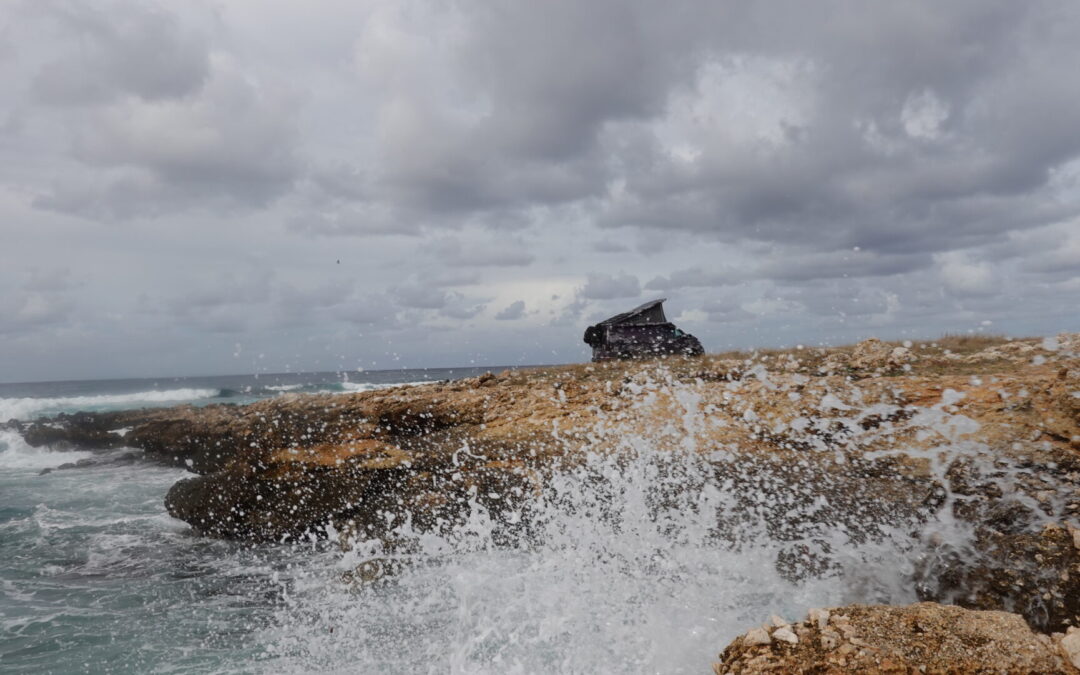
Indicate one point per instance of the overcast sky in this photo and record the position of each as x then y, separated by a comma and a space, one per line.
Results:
179, 180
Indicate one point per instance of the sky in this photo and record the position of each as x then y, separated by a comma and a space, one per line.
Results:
237, 186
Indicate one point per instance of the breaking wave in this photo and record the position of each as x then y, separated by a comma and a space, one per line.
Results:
352, 387
284, 387
29, 407
15, 453
648, 555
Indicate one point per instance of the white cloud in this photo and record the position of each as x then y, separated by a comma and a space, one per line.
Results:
964, 276
923, 115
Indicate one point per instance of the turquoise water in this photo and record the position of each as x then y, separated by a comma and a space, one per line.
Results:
95, 576
29, 400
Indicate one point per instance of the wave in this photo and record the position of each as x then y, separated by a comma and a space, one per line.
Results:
15, 453
353, 387
283, 387
28, 408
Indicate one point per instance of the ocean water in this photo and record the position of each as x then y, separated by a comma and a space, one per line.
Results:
30, 400
96, 577
626, 571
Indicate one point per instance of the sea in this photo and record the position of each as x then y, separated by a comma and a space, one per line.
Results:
96, 577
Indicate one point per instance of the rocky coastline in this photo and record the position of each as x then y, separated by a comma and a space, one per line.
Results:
981, 434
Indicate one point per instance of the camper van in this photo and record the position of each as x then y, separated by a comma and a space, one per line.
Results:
642, 332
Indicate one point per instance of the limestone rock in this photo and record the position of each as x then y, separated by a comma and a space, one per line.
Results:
1070, 644
899, 357
870, 354
784, 634
757, 636
819, 618
924, 637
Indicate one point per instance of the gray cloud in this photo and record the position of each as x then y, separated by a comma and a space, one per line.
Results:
115, 49
783, 172
609, 286
25, 311
688, 278
482, 252
609, 246
725, 310
417, 296
511, 312
368, 310
462, 308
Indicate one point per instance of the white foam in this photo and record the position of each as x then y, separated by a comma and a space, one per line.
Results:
352, 387
283, 387
28, 408
15, 453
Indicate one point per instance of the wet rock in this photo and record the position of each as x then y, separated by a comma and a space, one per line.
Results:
93, 431
1034, 574
920, 638
102, 460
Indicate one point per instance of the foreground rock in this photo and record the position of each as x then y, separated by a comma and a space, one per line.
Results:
920, 638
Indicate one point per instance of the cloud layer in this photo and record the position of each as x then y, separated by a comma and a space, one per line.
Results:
188, 186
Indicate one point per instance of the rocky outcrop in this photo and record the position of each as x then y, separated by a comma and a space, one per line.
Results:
920, 638
875, 441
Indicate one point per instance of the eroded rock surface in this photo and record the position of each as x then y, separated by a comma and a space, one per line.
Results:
919, 638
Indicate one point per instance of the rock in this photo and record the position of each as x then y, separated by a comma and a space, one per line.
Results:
784, 634
757, 636
834, 363
1070, 645
819, 618
78, 430
870, 354
297, 463
1069, 343
923, 637
899, 357
1034, 574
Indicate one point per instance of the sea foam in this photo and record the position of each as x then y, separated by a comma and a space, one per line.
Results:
15, 453
29, 408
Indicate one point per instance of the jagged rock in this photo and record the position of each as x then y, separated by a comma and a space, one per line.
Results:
819, 617
834, 363
784, 634
1036, 575
757, 636
920, 638
870, 354
899, 357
